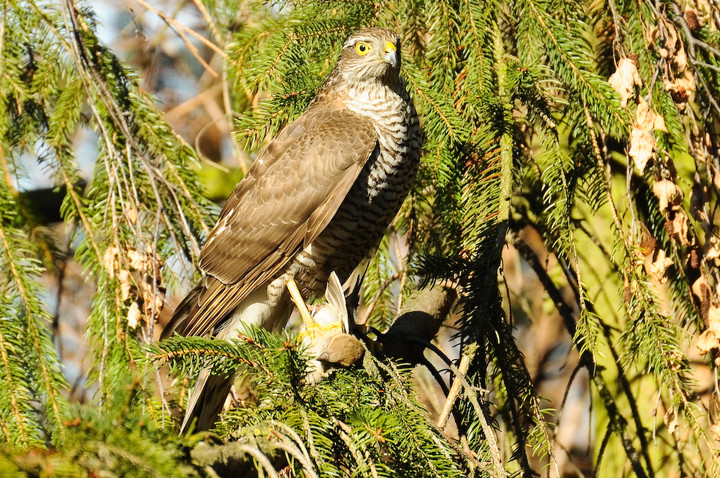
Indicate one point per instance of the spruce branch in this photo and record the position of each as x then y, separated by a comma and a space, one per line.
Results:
471, 393
13, 395
50, 379
582, 78
521, 128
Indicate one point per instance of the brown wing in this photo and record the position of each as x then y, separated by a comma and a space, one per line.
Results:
288, 197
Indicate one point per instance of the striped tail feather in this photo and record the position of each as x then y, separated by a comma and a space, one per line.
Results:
206, 400
186, 309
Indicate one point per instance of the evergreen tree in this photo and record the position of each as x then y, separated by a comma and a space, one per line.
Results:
578, 139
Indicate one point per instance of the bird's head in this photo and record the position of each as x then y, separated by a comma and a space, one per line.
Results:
371, 54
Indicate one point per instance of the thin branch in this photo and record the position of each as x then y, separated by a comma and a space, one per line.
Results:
471, 394
233, 452
178, 27
454, 391
208, 19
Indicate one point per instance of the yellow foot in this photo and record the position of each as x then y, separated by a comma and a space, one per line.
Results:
331, 317
300, 303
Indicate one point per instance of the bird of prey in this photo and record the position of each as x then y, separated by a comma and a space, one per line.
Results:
317, 199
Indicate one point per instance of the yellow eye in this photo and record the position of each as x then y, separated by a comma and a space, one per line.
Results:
362, 48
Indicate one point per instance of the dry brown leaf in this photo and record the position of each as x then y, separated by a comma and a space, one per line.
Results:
625, 79
131, 214
669, 195
110, 259
670, 40
700, 287
152, 304
705, 14
647, 119
658, 268
710, 339
125, 286
627, 291
703, 293
712, 251
693, 258
679, 60
642, 146
682, 87
674, 47
133, 316
677, 227
677, 79
137, 260
715, 430
707, 341
648, 244
152, 258
652, 35
714, 319
671, 421
714, 174
642, 140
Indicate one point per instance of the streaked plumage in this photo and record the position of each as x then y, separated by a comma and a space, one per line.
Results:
317, 199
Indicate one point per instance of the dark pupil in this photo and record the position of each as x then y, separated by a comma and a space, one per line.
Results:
362, 47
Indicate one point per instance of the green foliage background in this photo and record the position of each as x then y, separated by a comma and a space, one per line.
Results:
529, 158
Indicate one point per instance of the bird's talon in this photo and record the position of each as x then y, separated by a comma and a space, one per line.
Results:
317, 330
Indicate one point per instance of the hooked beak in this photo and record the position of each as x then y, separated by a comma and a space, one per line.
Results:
391, 54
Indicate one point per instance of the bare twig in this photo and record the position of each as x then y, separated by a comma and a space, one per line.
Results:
454, 391
208, 19
471, 394
178, 27
233, 451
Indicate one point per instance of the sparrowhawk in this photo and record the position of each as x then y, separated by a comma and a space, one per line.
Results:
317, 199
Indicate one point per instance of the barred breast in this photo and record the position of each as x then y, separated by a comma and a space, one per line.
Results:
376, 196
